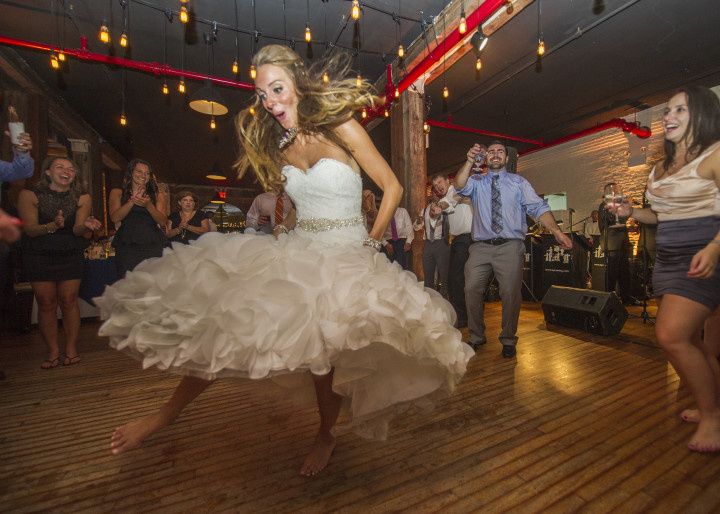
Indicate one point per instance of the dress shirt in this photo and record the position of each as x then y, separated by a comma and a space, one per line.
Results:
21, 167
459, 214
592, 228
518, 199
264, 205
432, 226
403, 223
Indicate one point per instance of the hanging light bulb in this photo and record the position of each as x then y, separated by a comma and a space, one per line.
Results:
401, 51
184, 16
364, 113
426, 127
253, 72
325, 77
235, 67
123, 119
252, 110
386, 112
397, 92
446, 92
61, 56
212, 123
104, 34
165, 88
478, 64
355, 12
358, 80
541, 47
123, 40
509, 7
308, 34
54, 63
181, 86
462, 28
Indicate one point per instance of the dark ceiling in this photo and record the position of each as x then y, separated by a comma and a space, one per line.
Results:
605, 58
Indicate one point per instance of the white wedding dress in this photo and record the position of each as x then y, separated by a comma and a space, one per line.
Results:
315, 299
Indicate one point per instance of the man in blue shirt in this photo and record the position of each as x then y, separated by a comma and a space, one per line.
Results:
500, 202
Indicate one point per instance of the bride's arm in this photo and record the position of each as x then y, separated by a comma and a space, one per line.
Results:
366, 155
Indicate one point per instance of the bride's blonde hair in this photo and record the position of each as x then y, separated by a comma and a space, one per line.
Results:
322, 106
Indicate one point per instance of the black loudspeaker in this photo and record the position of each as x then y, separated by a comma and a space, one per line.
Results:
596, 312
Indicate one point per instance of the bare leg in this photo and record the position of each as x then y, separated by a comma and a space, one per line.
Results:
679, 319
329, 404
710, 345
132, 434
46, 296
68, 300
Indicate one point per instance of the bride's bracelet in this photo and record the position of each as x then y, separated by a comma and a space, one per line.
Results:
281, 228
374, 243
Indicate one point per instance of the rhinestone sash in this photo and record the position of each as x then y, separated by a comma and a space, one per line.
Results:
324, 224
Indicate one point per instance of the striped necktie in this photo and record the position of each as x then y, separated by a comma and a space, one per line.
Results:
496, 205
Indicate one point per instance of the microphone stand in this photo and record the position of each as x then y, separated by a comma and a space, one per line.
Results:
644, 315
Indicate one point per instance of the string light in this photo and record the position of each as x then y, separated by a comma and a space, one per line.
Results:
184, 16
61, 56
426, 127
478, 64
212, 123
54, 63
181, 86
235, 67
123, 40
252, 110
358, 80
325, 77
253, 72
104, 34
123, 119
308, 34
446, 92
541, 47
355, 12
364, 113
165, 89
541, 41
401, 51
462, 28
397, 92
386, 112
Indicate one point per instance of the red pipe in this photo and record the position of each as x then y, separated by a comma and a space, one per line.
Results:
625, 126
453, 126
475, 19
146, 67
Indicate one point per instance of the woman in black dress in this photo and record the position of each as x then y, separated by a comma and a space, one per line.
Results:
137, 208
56, 218
188, 223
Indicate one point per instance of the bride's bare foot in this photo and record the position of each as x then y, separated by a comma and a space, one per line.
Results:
707, 436
319, 455
690, 416
131, 435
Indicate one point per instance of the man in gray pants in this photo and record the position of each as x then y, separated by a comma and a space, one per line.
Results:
436, 249
500, 201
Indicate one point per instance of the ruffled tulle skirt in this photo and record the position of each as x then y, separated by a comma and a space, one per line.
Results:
254, 306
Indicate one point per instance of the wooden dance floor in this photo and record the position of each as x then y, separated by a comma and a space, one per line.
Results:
578, 422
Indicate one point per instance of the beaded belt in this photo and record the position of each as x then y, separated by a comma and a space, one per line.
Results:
323, 224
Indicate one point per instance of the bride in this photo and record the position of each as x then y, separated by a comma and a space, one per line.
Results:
318, 297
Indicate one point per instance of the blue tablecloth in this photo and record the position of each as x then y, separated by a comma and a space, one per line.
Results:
97, 273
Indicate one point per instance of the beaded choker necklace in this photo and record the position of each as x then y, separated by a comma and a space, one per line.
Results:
288, 137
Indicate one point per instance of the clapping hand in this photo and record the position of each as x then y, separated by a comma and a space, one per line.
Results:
183, 225
141, 200
59, 219
92, 223
263, 219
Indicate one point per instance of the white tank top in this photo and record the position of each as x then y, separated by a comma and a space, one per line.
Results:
684, 194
